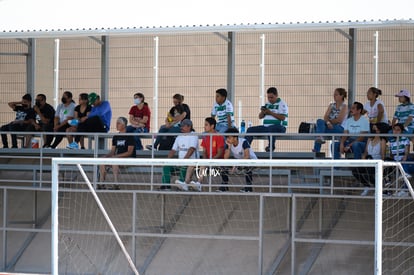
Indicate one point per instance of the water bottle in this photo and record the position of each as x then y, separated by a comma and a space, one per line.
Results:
243, 127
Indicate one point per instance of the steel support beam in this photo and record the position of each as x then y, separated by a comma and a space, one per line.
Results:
231, 56
104, 67
31, 66
352, 66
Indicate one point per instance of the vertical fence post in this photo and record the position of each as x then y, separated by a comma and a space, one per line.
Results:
378, 217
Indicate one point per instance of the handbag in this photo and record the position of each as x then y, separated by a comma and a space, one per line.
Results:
306, 127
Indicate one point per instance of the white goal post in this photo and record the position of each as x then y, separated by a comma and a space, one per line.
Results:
57, 163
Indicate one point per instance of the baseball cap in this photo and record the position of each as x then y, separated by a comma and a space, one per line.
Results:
186, 122
92, 98
403, 93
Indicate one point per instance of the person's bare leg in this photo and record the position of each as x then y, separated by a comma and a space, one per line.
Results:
102, 173
115, 171
189, 174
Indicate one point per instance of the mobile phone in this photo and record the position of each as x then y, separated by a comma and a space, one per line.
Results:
263, 107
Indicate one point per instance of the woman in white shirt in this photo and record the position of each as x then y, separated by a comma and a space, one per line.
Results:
374, 107
375, 149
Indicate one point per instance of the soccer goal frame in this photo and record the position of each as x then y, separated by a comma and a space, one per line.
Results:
78, 162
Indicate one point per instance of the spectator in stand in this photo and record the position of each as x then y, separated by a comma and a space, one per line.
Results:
177, 113
139, 118
400, 151
80, 114
224, 111
356, 126
64, 112
334, 119
240, 149
178, 99
375, 108
275, 118
187, 147
98, 120
404, 112
45, 115
25, 117
375, 149
123, 146
213, 148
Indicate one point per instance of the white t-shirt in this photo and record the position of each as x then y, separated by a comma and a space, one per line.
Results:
63, 112
355, 127
183, 143
372, 111
238, 151
374, 150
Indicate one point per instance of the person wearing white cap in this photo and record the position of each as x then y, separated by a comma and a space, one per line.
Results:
404, 112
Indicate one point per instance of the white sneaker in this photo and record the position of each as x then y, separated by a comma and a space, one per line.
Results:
181, 185
402, 194
365, 192
196, 185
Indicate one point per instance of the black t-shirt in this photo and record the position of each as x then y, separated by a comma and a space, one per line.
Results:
82, 114
24, 114
180, 108
48, 112
122, 142
187, 110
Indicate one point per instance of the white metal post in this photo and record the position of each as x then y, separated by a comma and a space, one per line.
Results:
155, 99
262, 70
55, 189
56, 73
378, 217
263, 98
376, 60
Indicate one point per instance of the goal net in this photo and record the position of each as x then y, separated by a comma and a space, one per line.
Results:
302, 216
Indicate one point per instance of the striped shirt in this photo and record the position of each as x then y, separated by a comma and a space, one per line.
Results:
397, 148
222, 110
402, 112
279, 107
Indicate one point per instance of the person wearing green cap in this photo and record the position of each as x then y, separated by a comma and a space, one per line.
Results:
98, 120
